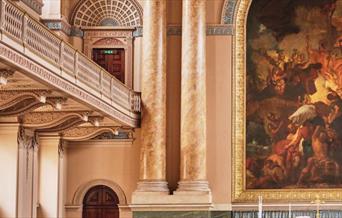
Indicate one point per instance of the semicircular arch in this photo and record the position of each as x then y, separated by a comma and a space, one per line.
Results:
124, 13
84, 188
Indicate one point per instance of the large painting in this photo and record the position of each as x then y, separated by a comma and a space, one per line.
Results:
291, 127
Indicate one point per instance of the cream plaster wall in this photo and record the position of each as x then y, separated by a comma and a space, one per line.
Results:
8, 170
112, 161
214, 10
219, 117
48, 177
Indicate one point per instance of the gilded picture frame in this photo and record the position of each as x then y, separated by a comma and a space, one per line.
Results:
239, 191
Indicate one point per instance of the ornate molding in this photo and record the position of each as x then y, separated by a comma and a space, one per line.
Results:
82, 190
17, 102
61, 25
49, 119
212, 30
219, 30
9, 98
25, 64
228, 12
89, 34
21, 107
107, 42
68, 123
87, 133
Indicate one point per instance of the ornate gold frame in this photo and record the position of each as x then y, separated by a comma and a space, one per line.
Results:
239, 193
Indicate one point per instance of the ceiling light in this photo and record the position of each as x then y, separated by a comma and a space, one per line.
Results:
3, 80
96, 123
85, 118
42, 99
58, 105
116, 132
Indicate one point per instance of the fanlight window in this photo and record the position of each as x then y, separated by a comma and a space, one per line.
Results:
107, 13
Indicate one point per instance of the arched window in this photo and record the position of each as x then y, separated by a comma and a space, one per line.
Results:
91, 13
100, 202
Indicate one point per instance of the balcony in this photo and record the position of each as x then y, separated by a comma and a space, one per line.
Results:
31, 48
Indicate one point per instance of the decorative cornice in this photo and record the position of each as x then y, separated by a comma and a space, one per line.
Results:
219, 30
172, 30
212, 30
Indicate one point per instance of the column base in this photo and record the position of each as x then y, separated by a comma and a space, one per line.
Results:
149, 192
193, 186
195, 191
152, 186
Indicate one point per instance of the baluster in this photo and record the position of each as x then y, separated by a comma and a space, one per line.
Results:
111, 88
101, 86
61, 58
24, 29
76, 65
2, 15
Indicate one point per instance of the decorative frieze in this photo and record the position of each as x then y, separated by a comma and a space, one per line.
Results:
172, 30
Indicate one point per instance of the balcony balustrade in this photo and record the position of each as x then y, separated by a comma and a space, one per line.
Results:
23, 34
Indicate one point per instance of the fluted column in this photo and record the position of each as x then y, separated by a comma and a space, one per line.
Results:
153, 94
193, 98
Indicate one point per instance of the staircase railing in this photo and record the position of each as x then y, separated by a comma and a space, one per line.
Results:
34, 36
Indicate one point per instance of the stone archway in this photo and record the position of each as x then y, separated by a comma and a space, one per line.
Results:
83, 189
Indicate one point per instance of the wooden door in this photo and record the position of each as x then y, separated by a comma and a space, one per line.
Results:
100, 202
113, 60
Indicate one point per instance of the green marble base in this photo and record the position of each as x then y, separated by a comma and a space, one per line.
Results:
182, 214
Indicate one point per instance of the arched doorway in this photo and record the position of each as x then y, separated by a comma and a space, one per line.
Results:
100, 202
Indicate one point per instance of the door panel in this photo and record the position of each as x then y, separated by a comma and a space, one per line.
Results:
113, 60
110, 213
100, 202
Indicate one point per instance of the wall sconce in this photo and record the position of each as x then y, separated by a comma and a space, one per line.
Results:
58, 105
85, 117
4, 74
42, 99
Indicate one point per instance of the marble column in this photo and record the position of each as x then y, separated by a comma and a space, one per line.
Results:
193, 98
153, 93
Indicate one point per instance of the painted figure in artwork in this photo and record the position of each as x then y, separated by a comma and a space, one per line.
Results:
294, 94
